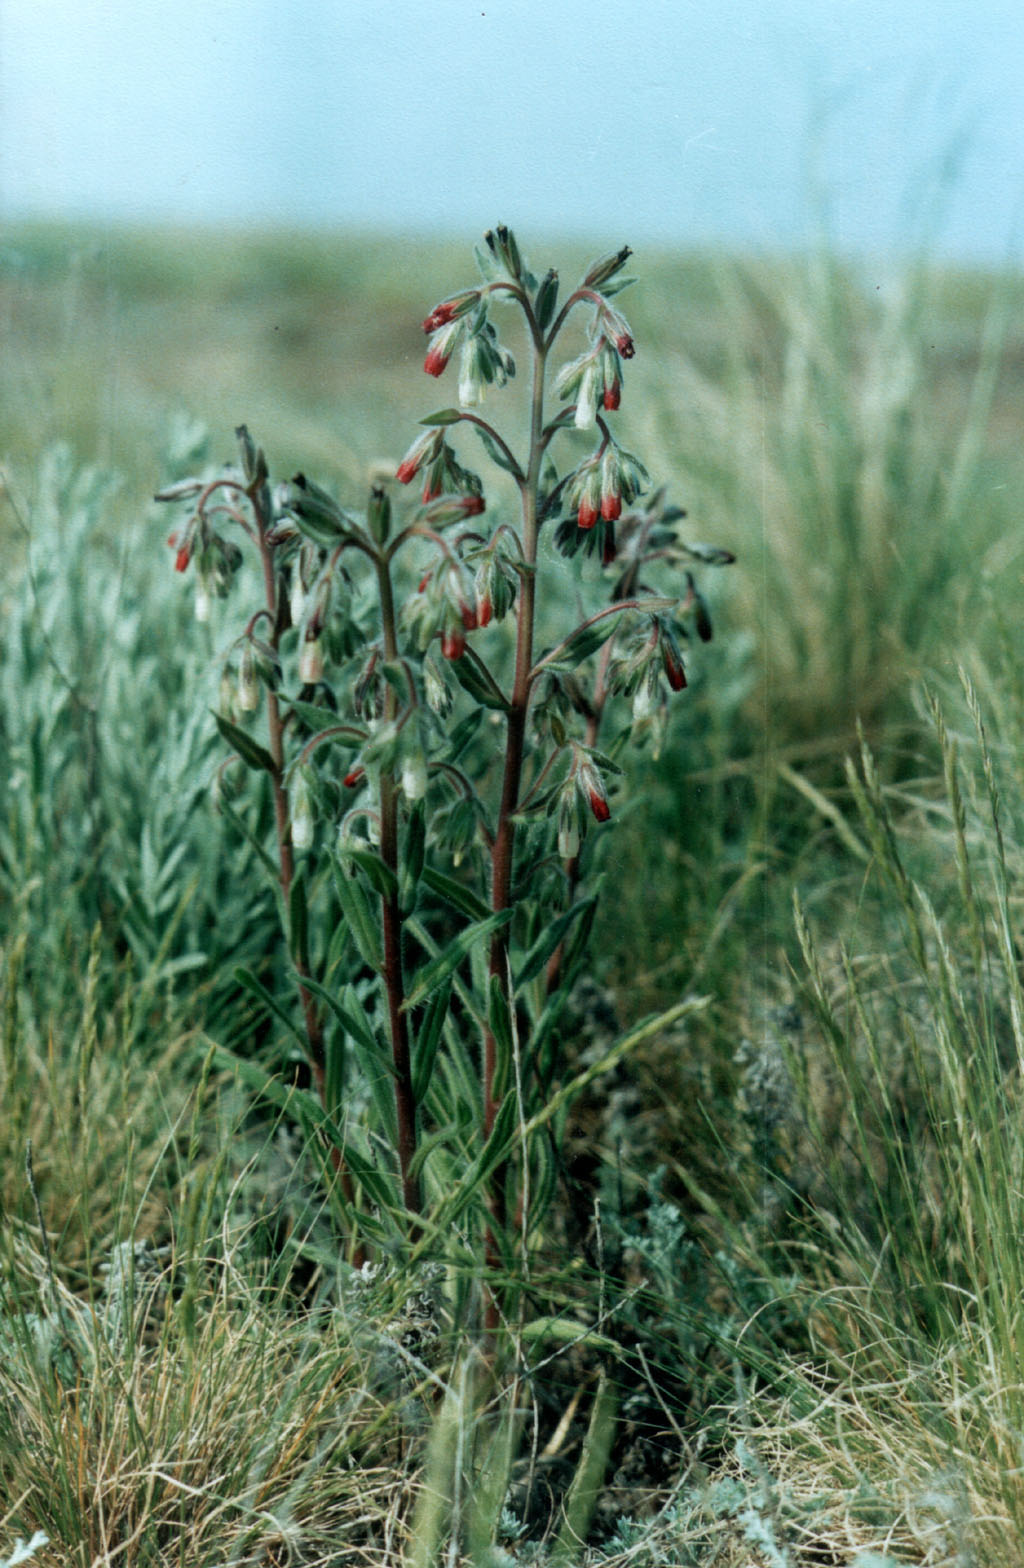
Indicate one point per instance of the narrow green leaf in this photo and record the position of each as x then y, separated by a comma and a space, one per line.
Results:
581, 1499
502, 1026
335, 1062
251, 752
455, 893
443, 416
414, 850
356, 910
380, 875
248, 981
473, 676
441, 968
298, 921
550, 938
239, 823
493, 450
428, 1040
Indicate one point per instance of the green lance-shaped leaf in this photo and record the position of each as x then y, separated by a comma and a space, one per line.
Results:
425, 1049
473, 675
582, 1496
414, 851
498, 1147
443, 416
298, 921
356, 910
377, 871
250, 751
248, 981
455, 893
497, 456
335, 1063
499, 1017
550, 939
441, 968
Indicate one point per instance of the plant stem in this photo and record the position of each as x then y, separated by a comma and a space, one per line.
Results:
503, 852
285, 857
391, 924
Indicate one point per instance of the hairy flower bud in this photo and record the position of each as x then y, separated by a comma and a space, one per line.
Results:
442, 347
450, 310
453, 642
604, 270
413, 774
248, 682
301, 813
378, 514
311, 661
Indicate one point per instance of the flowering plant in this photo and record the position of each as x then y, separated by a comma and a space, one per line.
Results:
436, 773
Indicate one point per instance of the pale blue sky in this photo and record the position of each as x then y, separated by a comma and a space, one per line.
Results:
643, 120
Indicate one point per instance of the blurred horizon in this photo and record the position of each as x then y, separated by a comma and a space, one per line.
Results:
884, 129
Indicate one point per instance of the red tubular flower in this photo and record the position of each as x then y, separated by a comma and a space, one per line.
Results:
453, 643
484, 610
431, 489
356, 776
472, 505
598, 804
450, 310
406, 470
588, 513
440, 316
611, 506
436, 360
675, 670
183, 557
612, 395
625, 345
469, 617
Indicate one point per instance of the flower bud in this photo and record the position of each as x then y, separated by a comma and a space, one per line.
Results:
378, 514
413, 774
422, 452
586, 398
248, 683
254, 464
435, 689
453, 642
546, 299
604, 270
672, 661
617, 329
301, 813
442, 347
611, 492
311, 661
450, 310
297, 597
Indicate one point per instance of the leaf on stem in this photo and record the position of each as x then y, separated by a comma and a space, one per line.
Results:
441, 968
474, 677
444, 416
249, 750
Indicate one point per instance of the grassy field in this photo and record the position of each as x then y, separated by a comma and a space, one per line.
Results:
789, 1235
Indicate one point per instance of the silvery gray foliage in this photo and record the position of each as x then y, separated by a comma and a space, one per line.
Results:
24, 1550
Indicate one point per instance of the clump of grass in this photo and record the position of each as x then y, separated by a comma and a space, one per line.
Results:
901, 1232
239, 1432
